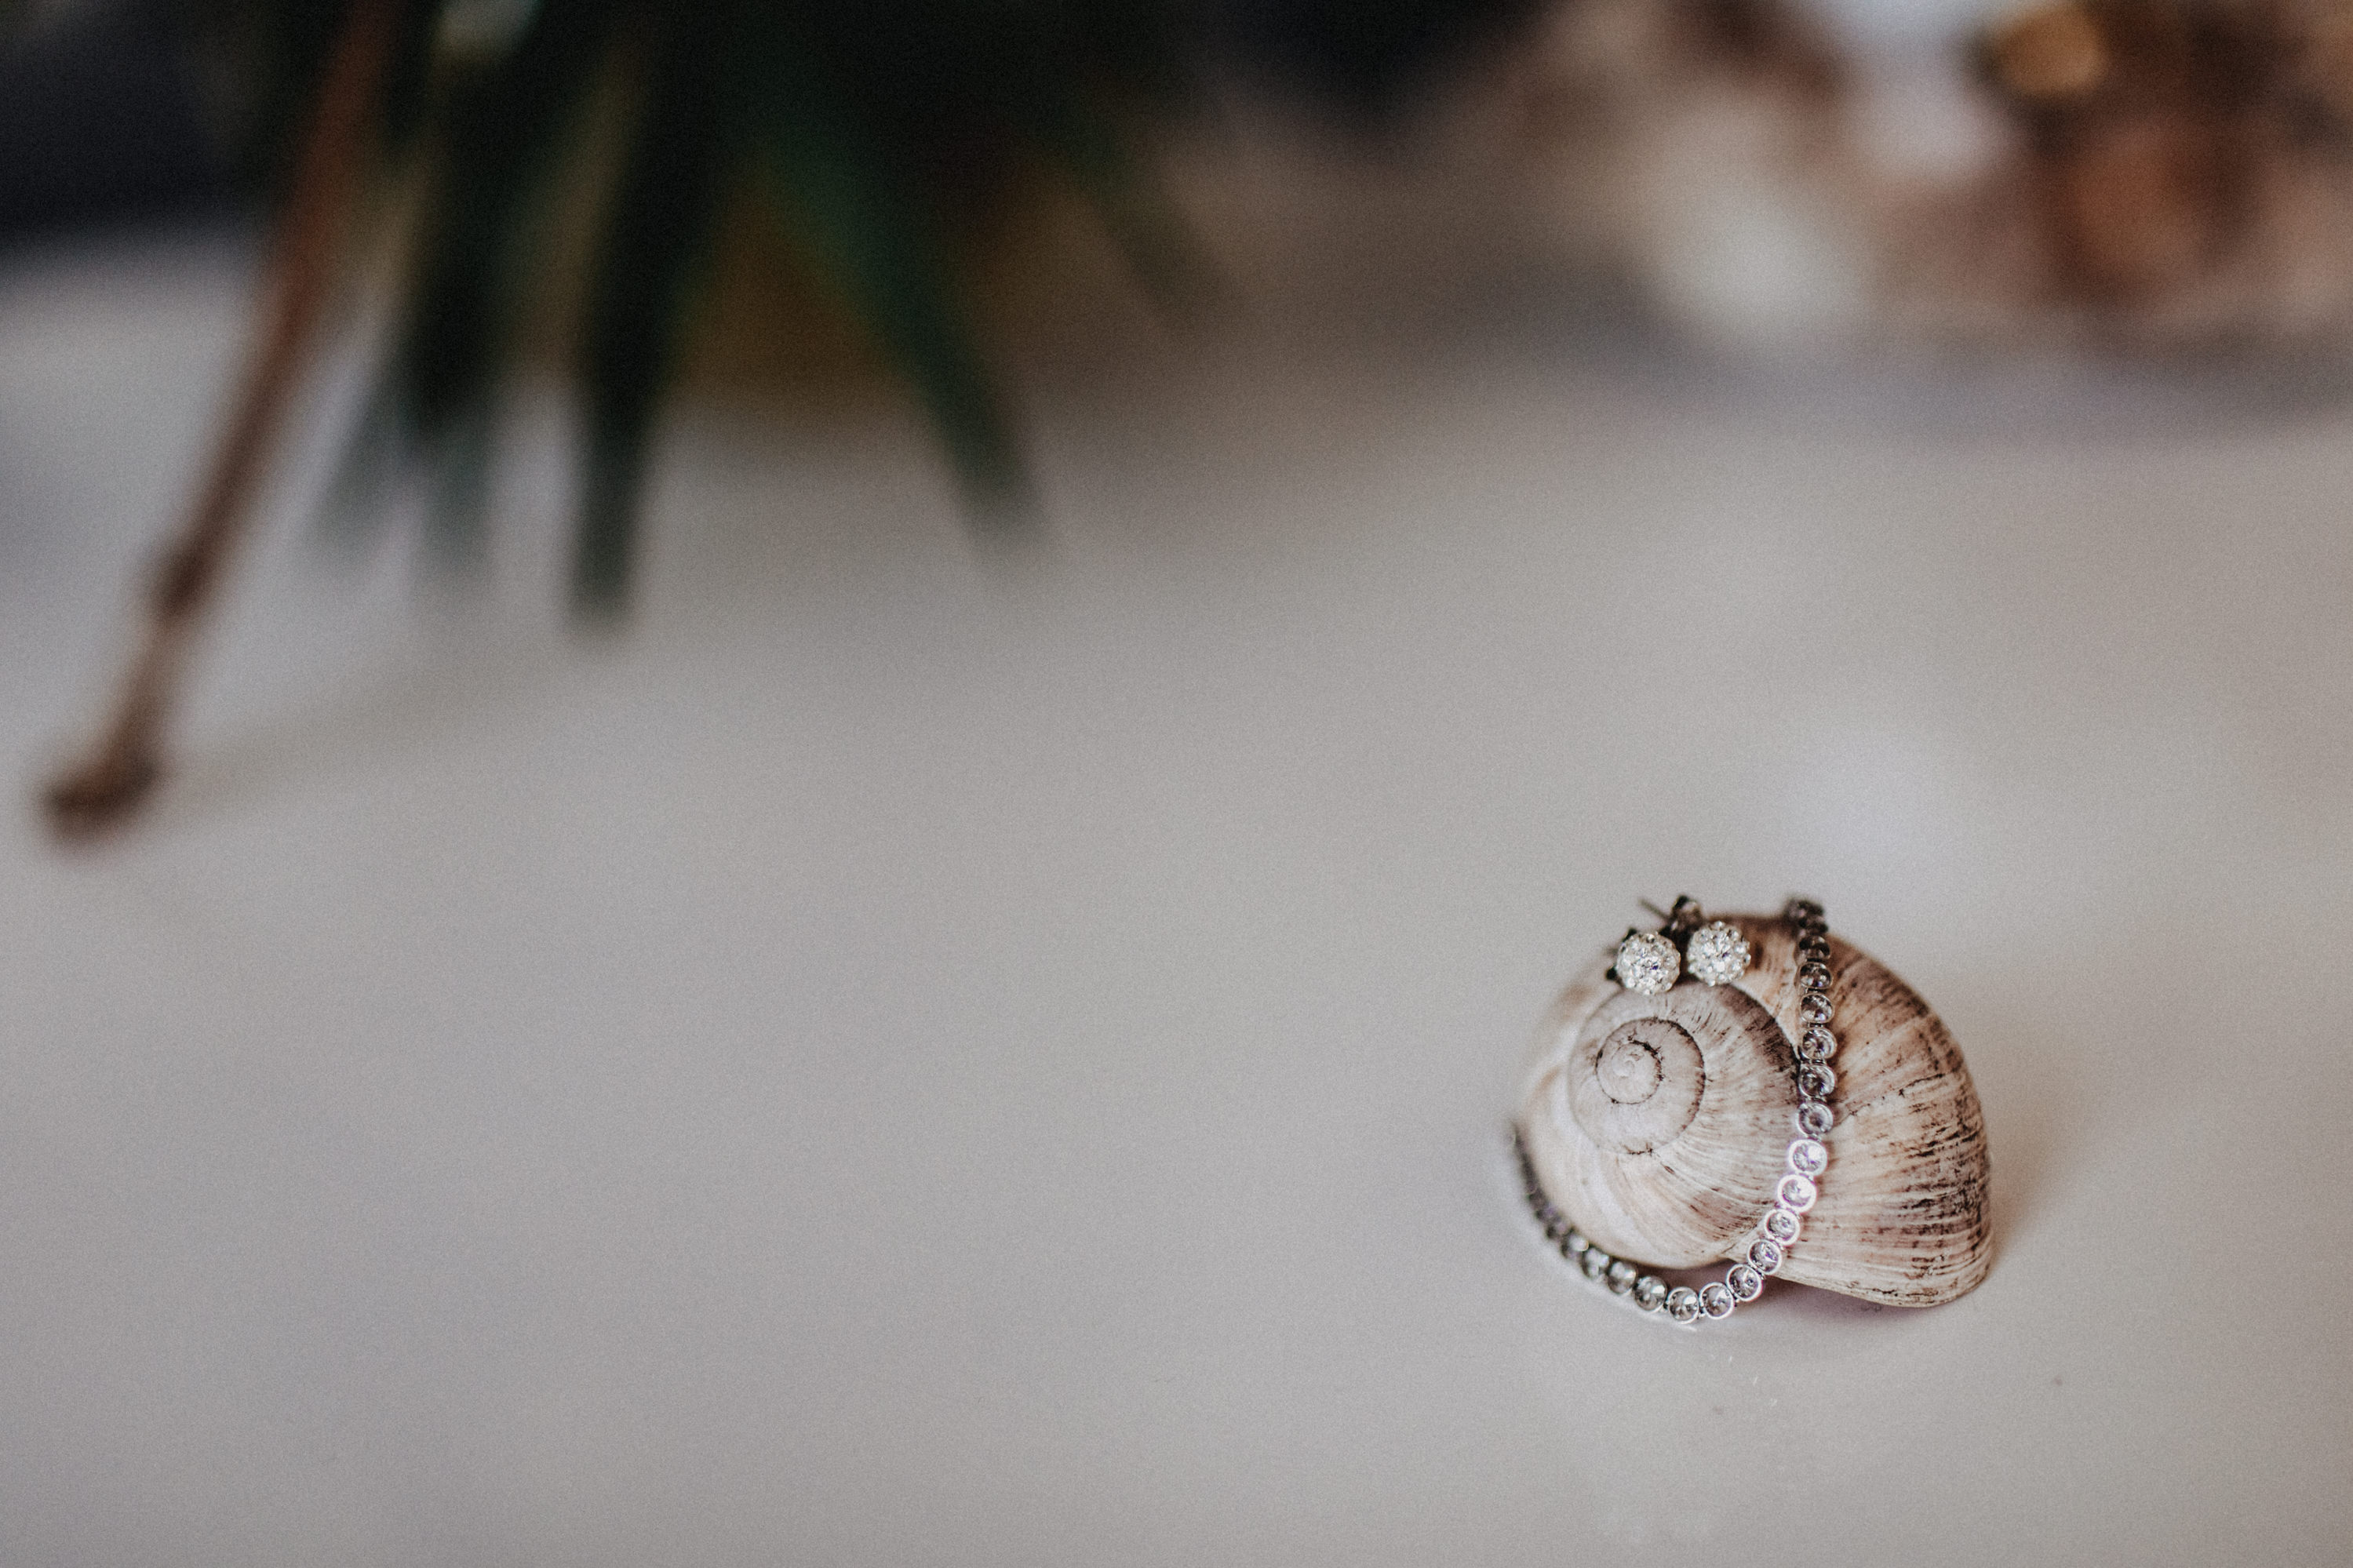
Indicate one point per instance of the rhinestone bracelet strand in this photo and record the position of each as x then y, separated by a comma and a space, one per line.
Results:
1792, 1196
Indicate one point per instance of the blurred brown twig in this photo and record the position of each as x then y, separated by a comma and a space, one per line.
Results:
109, 783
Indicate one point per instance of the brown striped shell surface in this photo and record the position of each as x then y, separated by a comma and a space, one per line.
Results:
1660, 1124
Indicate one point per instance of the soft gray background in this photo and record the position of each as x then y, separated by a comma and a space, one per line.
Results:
902, 1061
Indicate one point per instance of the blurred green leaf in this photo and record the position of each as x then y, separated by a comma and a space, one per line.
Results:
503, 128
1087, 140
858, 209
663, 213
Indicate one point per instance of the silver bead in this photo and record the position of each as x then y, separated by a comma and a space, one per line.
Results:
1596, 1263
1814, 1007
1648, 963
1716, 1298
1803, 908
1683, 1303
1573, 1246
1815, 977
1815, 1118
1814, 947
1796, 1192
1816, 1082
1781, 1226
1765, 1255
1746, 1281
1817, 1044
1650, 1292
1807, 1157
1621, 1277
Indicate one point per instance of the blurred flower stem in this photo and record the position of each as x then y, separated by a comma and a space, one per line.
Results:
111, 782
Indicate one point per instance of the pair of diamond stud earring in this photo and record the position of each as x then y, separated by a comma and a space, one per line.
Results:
1711, 952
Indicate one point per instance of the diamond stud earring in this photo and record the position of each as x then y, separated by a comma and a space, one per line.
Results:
1648, 962
1717, 954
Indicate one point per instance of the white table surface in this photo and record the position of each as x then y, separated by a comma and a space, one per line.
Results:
904, 1061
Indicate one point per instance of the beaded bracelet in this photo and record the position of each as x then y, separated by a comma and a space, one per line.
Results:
1716, 953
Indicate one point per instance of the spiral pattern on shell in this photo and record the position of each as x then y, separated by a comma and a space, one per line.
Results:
1659, 1124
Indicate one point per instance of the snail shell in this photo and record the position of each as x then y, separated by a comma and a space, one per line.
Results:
1659, 1124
